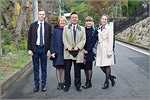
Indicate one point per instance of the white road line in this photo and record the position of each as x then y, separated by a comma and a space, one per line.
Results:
141, 50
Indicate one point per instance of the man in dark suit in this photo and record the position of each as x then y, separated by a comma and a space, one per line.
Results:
39, 48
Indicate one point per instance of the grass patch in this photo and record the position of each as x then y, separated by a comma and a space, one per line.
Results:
16, 67
13, 61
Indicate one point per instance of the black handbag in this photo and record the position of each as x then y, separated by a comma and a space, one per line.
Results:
51, 58
74, 53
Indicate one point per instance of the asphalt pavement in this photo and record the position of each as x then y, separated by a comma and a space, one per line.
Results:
132, 82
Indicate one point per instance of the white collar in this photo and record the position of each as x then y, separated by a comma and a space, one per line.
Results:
74, 25
40, 22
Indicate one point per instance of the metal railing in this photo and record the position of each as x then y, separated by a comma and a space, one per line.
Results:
140, 14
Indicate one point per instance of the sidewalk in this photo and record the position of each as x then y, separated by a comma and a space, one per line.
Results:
134, 44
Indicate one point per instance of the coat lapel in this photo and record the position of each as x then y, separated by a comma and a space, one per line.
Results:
104, 33
78, 29
71, 34
45, 30
36, 28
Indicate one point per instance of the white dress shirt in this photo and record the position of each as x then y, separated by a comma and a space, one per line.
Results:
75, 26
38, 33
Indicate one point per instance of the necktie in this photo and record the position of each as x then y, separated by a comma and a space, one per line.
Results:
41, 35
74, 33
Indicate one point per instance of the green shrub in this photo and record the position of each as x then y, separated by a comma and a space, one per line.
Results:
12, 46
22, 43
5, 37
131, 38
23, 46
5, 49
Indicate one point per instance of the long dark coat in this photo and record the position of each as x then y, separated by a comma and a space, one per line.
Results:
57, 46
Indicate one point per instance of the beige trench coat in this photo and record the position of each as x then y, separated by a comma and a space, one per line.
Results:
68, 40
104, 47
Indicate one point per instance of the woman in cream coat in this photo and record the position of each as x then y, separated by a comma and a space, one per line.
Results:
105, 55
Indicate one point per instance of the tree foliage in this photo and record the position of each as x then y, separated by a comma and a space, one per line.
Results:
15, 18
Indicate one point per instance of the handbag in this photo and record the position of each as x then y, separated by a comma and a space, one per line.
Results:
51, 58
74, 53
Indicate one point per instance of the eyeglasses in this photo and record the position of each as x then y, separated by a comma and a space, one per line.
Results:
74, 17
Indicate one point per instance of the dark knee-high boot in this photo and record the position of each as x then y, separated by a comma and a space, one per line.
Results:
112, 79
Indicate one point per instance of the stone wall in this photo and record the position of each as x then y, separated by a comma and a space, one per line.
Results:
138, 33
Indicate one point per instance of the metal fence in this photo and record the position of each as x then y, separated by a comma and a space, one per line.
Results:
140, 14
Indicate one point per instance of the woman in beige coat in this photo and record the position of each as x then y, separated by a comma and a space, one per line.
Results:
105, 54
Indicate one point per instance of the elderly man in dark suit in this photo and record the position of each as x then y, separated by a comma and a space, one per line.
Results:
39, 48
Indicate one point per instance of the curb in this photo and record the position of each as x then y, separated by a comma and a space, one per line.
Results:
137, 45
27, 67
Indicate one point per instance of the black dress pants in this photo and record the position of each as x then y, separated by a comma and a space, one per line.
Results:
77, 73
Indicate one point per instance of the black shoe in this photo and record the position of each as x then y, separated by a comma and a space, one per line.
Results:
87, 85
59, 86
36, 88
62, 85
112, 79
43, 88
79, 89
66, 89
106, 85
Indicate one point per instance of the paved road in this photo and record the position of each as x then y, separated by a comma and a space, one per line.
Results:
131, 70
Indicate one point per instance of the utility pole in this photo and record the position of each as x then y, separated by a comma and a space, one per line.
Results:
35, 10
59, 7
0, 43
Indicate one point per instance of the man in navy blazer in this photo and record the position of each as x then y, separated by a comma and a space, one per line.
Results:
39, 48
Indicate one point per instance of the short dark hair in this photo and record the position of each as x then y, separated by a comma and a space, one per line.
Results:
73, 13
41, 10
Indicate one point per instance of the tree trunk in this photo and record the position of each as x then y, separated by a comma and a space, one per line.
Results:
7, 17
14, 4
21, 19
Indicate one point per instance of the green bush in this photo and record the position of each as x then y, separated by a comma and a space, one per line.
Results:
22, 43
23, 46
131, 38
12, 46
5, 37
9, 48
5, 49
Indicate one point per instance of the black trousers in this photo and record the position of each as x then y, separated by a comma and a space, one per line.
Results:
77, 73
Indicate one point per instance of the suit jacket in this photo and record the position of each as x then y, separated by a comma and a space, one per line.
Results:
32, 36
68, 40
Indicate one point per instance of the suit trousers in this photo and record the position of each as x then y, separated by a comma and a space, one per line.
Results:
42, 56
77, 73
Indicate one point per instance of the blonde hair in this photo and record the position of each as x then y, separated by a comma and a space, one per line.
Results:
89, 18
105, 16
63, 17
